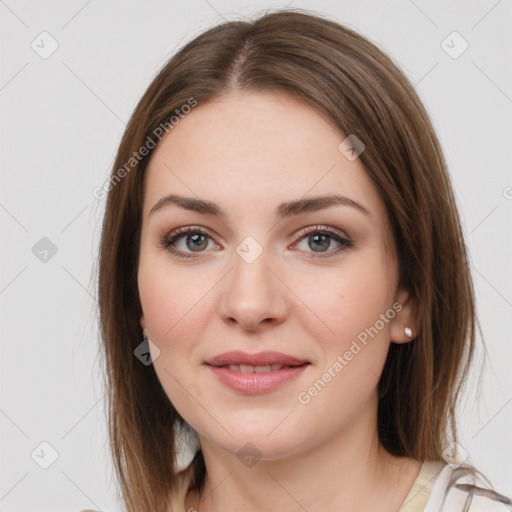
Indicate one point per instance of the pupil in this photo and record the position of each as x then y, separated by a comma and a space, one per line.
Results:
196, 240
323, 238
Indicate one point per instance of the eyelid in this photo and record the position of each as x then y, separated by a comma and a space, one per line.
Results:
179, 233
346, 242
323, 228
301, 233
343, 239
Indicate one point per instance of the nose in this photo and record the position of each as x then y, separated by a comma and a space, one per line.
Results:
252, 295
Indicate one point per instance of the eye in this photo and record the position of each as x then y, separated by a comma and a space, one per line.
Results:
194, 239
321, 237
197, 240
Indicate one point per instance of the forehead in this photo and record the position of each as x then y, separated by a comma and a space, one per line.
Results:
256, 150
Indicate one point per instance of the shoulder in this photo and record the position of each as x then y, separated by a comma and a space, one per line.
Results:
463, 489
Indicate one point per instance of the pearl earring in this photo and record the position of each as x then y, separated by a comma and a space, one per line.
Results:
408, 332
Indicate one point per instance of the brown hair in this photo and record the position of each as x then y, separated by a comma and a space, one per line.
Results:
346, 77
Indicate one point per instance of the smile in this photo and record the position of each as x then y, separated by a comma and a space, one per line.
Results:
249, 368
253, 380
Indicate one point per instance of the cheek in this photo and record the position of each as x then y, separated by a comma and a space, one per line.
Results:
340, 306
175, 316
357, 310
177, 308
173, 303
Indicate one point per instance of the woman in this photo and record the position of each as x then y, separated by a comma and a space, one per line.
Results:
280, 226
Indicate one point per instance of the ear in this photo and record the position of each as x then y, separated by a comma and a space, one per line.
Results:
143, 324
405, 317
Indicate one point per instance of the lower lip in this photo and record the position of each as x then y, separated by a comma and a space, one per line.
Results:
254, 383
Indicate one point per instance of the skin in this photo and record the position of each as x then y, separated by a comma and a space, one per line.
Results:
248, 153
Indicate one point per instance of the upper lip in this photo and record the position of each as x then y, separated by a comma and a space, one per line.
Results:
258, 359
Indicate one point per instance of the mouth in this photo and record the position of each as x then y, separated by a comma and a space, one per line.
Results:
258, 360
256, 373
249, 368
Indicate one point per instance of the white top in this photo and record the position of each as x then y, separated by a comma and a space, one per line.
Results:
428, 493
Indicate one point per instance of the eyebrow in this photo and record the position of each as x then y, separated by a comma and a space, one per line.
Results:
287, 209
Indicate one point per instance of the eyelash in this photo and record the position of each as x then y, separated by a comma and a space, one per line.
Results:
174, 236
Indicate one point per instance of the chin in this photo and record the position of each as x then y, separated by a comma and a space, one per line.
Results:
262, 442
252, 449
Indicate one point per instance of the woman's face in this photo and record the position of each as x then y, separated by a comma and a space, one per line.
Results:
264, 274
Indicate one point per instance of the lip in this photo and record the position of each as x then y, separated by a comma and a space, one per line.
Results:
256, 383
258, 359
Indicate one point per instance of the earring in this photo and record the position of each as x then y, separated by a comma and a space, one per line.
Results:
408, 332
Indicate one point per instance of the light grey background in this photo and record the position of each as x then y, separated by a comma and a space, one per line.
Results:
62, 119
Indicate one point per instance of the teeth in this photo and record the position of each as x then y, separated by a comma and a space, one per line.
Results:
262, 369
246, 368
249, 368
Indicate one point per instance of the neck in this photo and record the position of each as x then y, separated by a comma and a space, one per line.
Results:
349, 470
